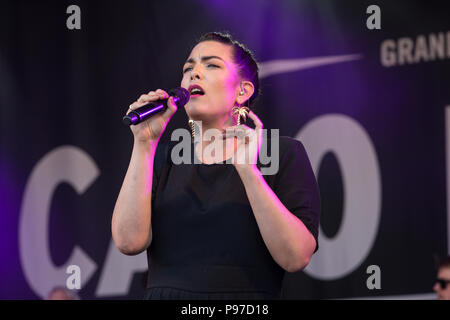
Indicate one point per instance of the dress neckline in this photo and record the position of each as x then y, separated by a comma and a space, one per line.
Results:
206, 164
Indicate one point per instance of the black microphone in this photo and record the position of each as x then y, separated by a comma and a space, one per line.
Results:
180, 97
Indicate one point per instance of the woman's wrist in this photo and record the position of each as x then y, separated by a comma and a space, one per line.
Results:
146, 144
247, 169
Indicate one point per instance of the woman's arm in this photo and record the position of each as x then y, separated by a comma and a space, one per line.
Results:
288, 240
131, 222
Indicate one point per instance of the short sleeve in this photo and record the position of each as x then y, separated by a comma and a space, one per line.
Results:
296, 185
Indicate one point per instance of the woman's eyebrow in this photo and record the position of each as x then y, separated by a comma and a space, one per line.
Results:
205, 58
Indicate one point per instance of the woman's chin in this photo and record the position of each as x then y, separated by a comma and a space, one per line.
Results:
196, 112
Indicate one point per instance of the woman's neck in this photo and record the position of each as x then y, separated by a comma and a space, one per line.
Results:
220, 124
223, 149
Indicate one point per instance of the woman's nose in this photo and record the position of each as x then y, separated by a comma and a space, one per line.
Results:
436, 287
195, 74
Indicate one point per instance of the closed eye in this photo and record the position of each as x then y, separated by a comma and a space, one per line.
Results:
209, 66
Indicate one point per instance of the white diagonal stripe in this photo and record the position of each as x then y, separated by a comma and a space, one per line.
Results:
417, 296
273, 67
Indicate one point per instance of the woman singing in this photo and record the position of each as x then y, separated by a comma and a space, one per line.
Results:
217, 228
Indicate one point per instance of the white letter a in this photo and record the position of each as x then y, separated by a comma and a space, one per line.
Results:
374, 281
74, 280
74, 21
374, 21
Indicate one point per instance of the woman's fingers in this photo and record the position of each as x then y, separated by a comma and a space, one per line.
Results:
130, 108
239, 132
162, 94
258, 123
171, 109
242, 129
235, 131
152, 96
258, 126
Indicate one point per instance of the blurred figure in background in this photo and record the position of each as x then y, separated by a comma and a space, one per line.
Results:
60, 293
442, 285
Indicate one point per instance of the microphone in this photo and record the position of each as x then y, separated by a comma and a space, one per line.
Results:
180, 97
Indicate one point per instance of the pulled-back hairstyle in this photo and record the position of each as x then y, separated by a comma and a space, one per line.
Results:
242, 57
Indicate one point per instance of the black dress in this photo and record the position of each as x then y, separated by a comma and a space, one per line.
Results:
206, 243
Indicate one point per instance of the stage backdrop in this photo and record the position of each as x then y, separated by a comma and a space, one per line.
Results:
365, 89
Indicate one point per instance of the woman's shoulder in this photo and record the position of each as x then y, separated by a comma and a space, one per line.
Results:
286, 144
279, 153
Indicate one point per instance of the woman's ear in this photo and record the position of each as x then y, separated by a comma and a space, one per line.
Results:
246, 90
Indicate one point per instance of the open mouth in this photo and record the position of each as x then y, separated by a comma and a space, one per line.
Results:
196, 91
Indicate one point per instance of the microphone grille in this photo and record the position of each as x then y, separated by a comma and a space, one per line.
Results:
180, 93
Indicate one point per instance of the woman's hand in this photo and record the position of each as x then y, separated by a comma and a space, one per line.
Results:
248, 143
152, 128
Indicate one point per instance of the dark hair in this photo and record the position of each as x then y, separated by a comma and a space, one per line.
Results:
442, 262
242, 56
